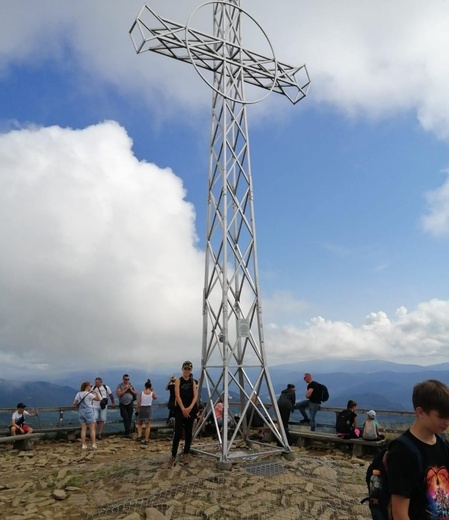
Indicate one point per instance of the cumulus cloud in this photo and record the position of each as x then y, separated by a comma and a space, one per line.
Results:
436, 220
420, 336
99, 258
372, 59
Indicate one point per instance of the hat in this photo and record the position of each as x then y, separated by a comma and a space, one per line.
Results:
371, 414
21, 405
187, 364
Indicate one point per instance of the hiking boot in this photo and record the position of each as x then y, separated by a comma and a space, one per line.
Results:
171, 462
305, 421
185, 458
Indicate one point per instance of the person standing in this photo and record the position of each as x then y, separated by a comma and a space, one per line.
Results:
145, 411
170, 387
286, 405
127, 395
101, 407
83, 401
420, 491
18, 426
186, 395
312, 402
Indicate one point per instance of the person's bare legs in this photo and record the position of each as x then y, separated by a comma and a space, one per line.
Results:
139, 430
147, 432
83, 434
92, 428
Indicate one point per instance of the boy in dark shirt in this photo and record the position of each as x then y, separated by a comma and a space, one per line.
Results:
422, 496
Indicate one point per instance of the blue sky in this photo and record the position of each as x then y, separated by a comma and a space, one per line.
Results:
103, 174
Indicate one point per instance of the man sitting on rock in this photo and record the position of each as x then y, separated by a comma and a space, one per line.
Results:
18, 426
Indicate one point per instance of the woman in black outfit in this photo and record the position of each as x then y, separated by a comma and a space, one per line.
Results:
186, 395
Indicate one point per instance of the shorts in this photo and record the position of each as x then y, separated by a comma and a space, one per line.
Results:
24, 427
146, 414
86, 415
100, 415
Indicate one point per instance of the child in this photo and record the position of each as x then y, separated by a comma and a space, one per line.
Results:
346, 424
371, 428
422, 495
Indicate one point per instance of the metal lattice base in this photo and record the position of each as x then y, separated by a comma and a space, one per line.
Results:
305, 488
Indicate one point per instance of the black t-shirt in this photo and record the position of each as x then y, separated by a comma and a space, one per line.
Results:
428, 491
315, 396
186, 393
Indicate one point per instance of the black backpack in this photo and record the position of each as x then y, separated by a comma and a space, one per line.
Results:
324, 393
343, 424
379, 507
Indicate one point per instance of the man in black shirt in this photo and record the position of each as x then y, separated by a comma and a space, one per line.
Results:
312, 401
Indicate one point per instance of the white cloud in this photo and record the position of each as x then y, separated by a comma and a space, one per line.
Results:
420, 336
436, 221
98, 263
375, 59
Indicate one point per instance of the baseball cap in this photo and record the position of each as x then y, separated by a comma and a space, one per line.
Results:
187, 364
372, 414
21, 405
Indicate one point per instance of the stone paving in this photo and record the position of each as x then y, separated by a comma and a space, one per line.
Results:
125, 480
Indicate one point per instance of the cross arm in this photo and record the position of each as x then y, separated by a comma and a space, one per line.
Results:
211, 53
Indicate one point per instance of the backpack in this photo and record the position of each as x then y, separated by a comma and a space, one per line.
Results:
343, 424
380, 506
324, 393
369, 430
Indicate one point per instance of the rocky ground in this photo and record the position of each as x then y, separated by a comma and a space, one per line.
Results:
125, 480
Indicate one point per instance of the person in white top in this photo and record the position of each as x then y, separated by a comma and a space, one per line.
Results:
83, 401
101, 407
145, 411
18, 426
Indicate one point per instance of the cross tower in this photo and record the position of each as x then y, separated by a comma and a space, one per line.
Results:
233, 359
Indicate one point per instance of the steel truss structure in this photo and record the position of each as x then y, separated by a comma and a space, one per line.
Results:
233, 349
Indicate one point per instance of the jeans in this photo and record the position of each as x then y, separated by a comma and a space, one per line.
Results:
126, 412
313, 409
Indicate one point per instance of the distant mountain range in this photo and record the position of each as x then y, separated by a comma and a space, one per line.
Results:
373, 384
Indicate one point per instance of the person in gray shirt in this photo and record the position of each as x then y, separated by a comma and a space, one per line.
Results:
127, 395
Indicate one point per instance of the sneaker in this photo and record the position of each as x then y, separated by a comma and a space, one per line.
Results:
171, 462
99, 437
84, 447
305, 421
185, 458
138, 439
94, 446
146, 443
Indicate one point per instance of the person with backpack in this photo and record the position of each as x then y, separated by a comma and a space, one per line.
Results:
371, 428
101, 407
312, 401
412, 476
346, 422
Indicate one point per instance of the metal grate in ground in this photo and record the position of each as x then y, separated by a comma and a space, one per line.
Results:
265, 469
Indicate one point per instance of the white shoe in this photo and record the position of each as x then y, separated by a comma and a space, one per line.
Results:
84, 447
94, 446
